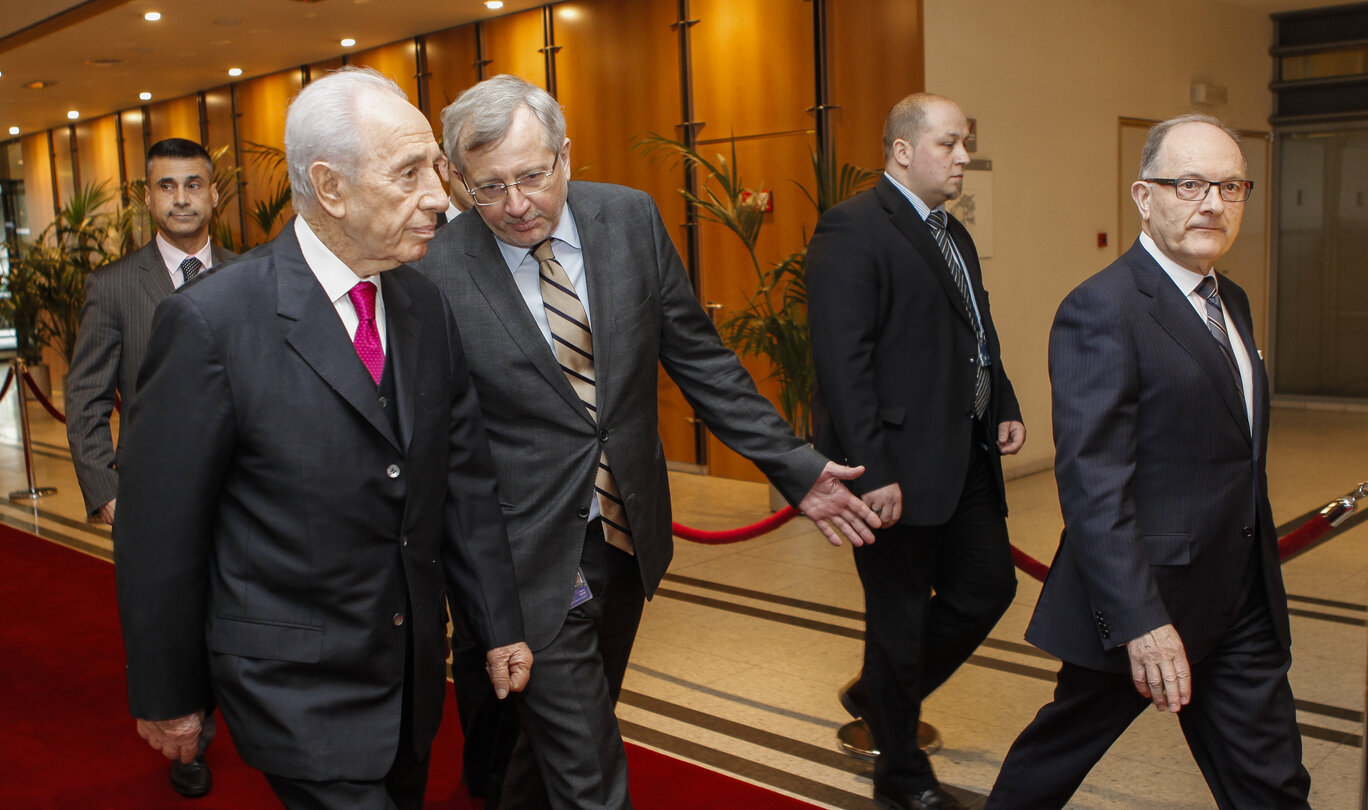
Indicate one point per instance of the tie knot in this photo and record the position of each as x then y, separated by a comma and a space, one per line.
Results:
363, 298
1207, 289
542, 252
190, 268
937, 219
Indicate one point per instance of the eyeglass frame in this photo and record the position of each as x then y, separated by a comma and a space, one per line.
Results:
548, 174
1172, 182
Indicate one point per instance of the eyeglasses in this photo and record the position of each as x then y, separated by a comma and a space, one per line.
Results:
1194, 188
530, 183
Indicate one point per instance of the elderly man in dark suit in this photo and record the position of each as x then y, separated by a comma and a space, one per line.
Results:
306, 474
1166, 588
571, 295
910, 385
111, 341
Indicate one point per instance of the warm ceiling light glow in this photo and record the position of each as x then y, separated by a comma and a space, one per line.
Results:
73, 114
494, 4
14, 130
348, 42
234, 71
152, 16
144, 96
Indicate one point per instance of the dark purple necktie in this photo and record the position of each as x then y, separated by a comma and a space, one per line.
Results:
367, 339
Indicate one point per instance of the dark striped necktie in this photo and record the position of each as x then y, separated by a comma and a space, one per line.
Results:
190, 268
1215, 319
574, 345
938, 222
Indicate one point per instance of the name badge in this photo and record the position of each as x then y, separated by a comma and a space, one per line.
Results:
581, 593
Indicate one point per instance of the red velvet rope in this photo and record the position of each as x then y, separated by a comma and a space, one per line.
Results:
42, 400
9, 378
765, 526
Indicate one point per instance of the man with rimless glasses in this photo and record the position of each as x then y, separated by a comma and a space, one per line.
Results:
1166, 588
570, 296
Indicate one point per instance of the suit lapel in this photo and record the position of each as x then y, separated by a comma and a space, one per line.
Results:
404, 331
600, 263
490, 274
318, 336
905, 218
155, 279
1177, 317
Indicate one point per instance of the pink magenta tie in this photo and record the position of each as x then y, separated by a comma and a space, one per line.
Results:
367, 339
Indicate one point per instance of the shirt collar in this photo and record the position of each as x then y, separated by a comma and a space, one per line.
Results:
335, 276
565, 231
172, 256
1185, 279
923, 210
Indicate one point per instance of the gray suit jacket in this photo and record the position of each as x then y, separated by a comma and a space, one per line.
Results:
115, 322
545, 444
1161, 481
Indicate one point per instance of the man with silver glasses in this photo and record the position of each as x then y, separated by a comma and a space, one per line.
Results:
569, 296
1166, 588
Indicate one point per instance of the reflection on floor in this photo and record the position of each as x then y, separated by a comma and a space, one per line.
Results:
740, 656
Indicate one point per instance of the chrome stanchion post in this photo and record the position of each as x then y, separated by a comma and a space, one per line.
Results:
34, 492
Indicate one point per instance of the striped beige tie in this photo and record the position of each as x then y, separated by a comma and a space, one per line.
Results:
575, 351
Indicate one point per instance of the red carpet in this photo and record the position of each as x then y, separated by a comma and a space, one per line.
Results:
66, 740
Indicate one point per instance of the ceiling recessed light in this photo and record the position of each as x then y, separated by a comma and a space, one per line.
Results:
494, 4
14, 130
348, 42
73, 114
145, 96
234, 71
40, 84
152, 16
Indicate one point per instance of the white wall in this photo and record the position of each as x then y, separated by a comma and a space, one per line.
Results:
1047, 82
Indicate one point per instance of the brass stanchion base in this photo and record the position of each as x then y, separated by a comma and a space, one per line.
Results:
32, 494
856, 740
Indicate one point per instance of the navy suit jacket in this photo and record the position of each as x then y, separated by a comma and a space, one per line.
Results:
1161, 479
278, 543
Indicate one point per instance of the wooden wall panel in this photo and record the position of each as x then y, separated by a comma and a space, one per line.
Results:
871, 38
176, 118
261, 106
451, 56
61, 154
607, 109
218, 103
97, 154
396, 60
38, 191
752, 65
318, 70
513, 44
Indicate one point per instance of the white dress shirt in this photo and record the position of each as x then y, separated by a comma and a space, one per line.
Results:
172, 257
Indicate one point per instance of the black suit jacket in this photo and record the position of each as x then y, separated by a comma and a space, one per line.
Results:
277, 540
546, 446
1161, 480
116, 319
895, 353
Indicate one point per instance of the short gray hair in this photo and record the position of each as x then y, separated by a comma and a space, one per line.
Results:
482, 115
1149, 158
321, 125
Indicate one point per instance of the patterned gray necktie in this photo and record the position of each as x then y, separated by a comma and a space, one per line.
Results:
190, 268
574, 345
1215, 319
982, 384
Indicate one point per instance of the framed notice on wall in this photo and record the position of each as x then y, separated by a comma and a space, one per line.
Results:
974, 207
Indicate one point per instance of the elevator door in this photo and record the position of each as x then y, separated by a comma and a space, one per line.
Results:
1322, 264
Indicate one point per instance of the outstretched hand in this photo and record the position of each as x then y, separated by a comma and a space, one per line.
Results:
837, 511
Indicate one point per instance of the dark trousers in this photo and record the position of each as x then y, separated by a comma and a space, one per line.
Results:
570, 754
932, 594
1241, 726
489, 726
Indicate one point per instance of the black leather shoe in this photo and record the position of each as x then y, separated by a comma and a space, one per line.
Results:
852, 698
934, 798
192, 780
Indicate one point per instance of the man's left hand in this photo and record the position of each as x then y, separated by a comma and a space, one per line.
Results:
509, 668
835, 510
177, 739
1011, 436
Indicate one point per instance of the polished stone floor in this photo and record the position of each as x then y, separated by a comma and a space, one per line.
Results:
741, 654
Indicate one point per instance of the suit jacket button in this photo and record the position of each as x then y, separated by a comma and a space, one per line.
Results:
1247, 531
403, 541
603, 435
973, 360
398, 619
583, 512
392, 471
